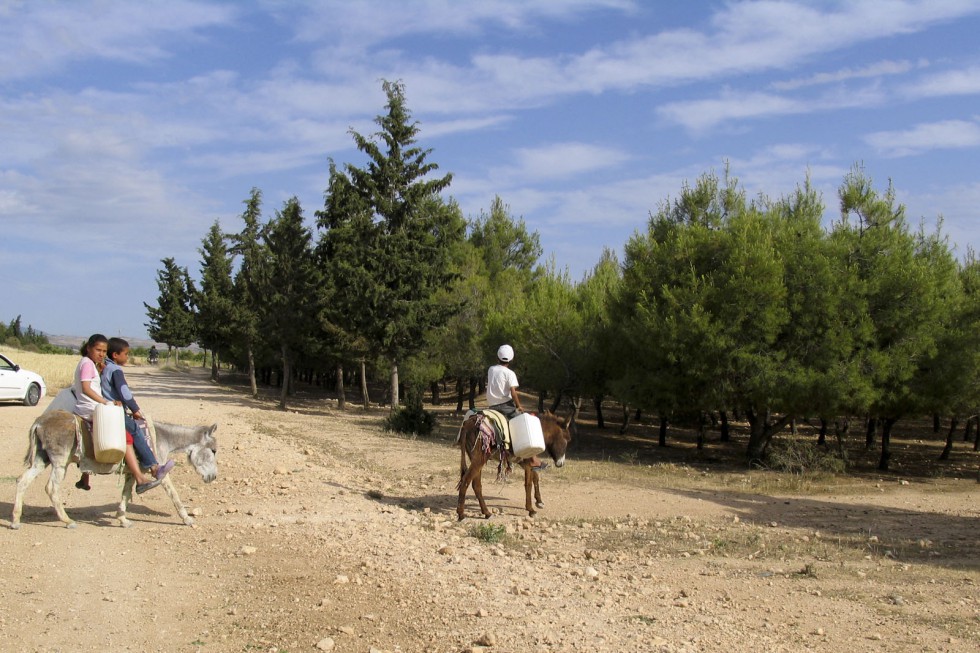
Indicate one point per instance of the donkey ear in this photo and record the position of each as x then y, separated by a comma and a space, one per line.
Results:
565, 422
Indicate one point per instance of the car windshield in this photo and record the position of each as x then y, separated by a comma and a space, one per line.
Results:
5, 363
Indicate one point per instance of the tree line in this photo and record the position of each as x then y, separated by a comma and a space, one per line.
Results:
724, 305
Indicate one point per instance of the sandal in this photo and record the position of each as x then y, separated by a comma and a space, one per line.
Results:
143, 487
163, 470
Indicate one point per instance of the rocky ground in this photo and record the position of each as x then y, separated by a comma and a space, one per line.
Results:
324, 533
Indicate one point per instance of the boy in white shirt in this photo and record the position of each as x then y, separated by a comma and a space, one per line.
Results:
502, 392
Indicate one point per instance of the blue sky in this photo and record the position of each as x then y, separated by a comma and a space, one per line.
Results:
128, 128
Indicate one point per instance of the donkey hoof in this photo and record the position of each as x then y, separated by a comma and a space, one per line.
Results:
486, 515
459, 517
15, 527
539, 504
71, 524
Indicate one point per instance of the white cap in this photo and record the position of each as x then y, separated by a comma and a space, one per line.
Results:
505, 354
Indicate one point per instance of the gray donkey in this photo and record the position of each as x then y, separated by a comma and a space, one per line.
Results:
53, 440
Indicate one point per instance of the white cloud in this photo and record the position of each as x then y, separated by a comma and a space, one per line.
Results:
40, 38
953, 82
700, 115
946, 134
564, 160
877, 69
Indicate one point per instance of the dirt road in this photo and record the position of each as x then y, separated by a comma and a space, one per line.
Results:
323, 533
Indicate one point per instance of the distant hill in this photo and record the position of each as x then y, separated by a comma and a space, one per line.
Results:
74, 342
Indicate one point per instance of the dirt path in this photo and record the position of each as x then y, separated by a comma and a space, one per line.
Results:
322, 533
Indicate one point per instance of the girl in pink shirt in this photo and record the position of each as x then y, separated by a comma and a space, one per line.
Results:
87, 387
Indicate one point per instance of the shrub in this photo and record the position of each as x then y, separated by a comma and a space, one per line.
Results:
411, 420
489, 533
799, 457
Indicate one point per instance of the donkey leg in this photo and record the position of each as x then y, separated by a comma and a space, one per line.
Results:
171, 491
127, 495
54, 492
528, 487
464, 485
537, 488
23, 483
478, 490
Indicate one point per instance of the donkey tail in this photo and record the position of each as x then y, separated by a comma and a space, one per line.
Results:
32, 442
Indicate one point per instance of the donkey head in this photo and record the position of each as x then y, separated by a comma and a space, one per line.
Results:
203, 453
556, 436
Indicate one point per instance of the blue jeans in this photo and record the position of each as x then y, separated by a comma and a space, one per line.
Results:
144, 453
508, 409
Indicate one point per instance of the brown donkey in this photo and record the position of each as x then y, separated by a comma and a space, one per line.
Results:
556, 439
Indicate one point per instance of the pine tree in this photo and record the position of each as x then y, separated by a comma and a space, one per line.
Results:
289, 286
172, 320
215, 300
391, 237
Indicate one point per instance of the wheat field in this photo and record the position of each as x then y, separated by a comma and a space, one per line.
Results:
56, 369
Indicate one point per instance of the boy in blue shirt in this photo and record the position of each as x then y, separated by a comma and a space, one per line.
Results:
115, 388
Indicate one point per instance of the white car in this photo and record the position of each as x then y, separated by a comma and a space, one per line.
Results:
19, 384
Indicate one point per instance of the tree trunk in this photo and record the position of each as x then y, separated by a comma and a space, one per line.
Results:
761, 432
953, 423
937, 424
597, 402
726, 431
473, 384
556, 404
365, 399
662, 441
822, 437
626, 420
341, 391
702, 430
434, 387
886, 441
460, 386
576, 409
968, 431
542, 395
287, 375
639, 415
395, 401
251, 372
869, 438
841, 428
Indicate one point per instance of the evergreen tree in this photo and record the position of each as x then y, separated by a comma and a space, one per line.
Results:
386, 224
215, 300
248, 306
289, 286
172, 320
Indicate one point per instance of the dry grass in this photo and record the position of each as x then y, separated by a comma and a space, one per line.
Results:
57, 370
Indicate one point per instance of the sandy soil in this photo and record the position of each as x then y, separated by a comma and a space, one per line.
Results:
323, 533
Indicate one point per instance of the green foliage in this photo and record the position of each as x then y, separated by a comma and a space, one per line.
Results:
214, 317
15, 335
172, 320
390, 238
489, 533
412, 420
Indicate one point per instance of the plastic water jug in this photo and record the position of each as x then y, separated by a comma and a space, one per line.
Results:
526, 436
109, 433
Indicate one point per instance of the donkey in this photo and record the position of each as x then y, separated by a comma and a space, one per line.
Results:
556, 439
53, 441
